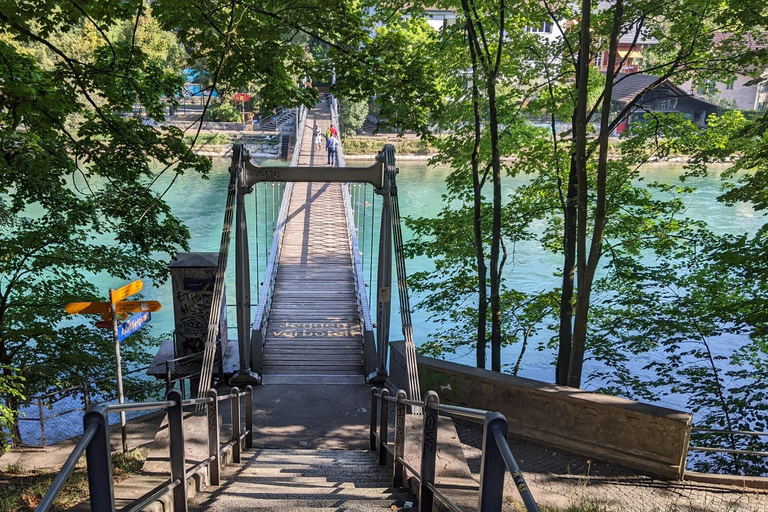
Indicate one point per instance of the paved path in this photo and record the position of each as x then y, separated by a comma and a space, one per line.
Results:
563, 479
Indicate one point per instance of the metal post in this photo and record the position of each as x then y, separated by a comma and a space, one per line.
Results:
398, 469
372, 431
177, 453
428, 452
384, 280
42, 420
249, 417
235, 416
167, 377
383, 427
214, 441
243, 285
492, 467
119, 362
98, 457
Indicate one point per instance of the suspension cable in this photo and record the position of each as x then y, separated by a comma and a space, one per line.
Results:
402, 280
206, 373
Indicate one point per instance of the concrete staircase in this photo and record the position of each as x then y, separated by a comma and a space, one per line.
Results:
294, 480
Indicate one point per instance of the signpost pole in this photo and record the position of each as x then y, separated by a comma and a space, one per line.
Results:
120, 397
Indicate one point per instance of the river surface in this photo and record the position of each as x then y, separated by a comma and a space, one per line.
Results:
200, 204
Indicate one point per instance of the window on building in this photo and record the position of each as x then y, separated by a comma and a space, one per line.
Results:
599, 60
544, 28
707, 87
666, 104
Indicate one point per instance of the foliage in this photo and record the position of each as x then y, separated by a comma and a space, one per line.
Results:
224, 112
372, 145
23, 489
206, 139
79, 189
353, 114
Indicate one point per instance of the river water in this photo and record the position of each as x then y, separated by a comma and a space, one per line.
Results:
200, 204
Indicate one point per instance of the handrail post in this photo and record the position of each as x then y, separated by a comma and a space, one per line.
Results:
235, 416
249, 418
374, 405
98, 456
214, 441
177, 453
492, 467
398, 469
243, 283
384, 280
428, 451
383, 427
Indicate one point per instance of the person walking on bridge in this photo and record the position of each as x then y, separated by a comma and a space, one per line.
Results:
332, 146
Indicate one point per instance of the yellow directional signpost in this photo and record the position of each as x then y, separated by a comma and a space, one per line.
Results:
112, 310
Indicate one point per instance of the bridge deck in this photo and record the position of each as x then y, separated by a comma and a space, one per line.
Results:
314, 332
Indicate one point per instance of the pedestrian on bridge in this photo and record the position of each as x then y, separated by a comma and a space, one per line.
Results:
318, 138
332, 146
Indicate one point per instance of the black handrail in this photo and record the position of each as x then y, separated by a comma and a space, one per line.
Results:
496, 461
95, 445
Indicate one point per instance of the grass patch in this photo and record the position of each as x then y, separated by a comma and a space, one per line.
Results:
372, 145
22, 490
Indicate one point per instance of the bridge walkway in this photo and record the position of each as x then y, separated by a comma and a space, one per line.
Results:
314, 333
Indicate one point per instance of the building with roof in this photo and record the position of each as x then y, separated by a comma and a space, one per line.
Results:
748, 91
656, 96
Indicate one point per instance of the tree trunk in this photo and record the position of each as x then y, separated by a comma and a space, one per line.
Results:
477, 186
566, 298
496, 231
589, 268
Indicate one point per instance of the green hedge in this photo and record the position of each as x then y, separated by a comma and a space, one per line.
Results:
372, 145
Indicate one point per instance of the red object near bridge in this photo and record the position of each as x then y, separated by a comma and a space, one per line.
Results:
240, 96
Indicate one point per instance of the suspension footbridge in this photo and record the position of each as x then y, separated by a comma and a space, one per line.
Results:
306, 355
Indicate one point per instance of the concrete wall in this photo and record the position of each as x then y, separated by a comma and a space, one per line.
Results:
640, 436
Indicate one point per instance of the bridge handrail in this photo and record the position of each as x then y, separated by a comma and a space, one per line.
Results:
270, 274
95, 444
497, 457
363, 308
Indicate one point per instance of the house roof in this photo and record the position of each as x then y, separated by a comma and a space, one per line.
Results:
629, 85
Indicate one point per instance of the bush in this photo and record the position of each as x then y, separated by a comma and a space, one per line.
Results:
372, 145
208, 139
225, 112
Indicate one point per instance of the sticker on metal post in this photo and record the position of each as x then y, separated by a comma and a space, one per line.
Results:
384, 294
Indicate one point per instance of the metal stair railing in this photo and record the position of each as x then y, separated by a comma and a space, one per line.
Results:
497, 457
95, 444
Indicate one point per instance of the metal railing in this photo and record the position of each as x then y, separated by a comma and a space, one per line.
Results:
363, 308
732, 451
188, 368
497, 457
64, 406
95, 445
261, 318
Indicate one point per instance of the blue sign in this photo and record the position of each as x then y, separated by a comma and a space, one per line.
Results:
132, 325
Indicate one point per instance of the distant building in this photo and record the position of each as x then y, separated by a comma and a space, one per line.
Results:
744, 92
440, 18
663, 97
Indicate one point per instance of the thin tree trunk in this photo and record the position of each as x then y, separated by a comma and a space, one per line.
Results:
587, 273
582, 197
477, 185
496, 232
566, 297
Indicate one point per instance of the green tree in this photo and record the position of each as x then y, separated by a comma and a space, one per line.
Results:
353, 115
